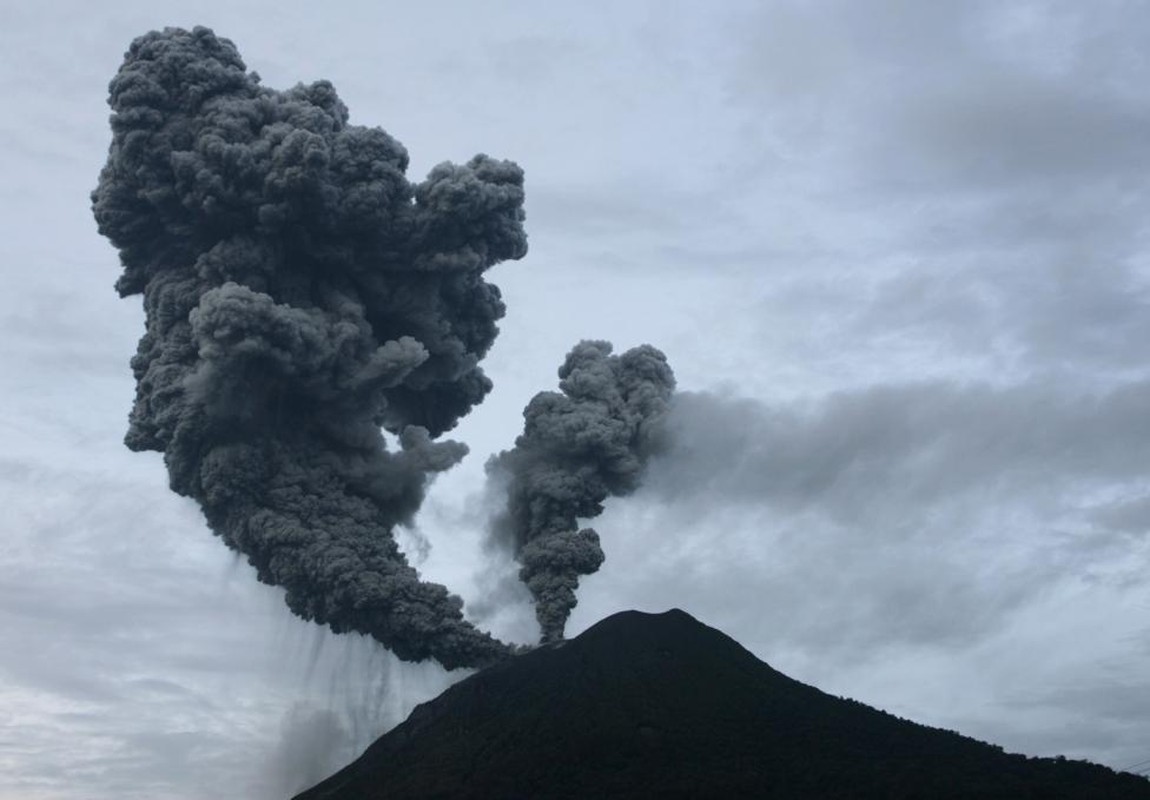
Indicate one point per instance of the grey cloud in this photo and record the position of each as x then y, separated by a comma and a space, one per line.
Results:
892, 514
971, 93
1009, 130
991, 154
1057, 303
1120, 701
805, 585
891, 446
1129, 516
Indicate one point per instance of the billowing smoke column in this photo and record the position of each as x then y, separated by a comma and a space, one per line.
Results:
577, 448
300, 295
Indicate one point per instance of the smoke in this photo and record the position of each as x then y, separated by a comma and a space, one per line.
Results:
301, 295
577, 448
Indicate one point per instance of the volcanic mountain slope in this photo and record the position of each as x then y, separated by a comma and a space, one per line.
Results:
660, 705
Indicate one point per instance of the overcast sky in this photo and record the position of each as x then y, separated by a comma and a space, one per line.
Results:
895, 252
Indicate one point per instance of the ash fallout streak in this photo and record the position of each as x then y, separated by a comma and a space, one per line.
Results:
301, 298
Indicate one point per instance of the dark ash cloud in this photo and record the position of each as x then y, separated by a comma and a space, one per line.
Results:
589, 441
300, 294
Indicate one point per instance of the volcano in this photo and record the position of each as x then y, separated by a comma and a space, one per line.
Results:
661, 705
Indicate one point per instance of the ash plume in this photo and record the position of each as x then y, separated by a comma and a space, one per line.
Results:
301, 295
589, 441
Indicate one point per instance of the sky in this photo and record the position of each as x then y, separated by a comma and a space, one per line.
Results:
894, 252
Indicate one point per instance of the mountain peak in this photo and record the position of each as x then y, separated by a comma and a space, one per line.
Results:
643, 705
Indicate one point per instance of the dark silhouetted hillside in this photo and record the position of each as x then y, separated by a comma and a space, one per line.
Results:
660, 705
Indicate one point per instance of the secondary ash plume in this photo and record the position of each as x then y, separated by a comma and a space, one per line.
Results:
578, 446
300, 295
